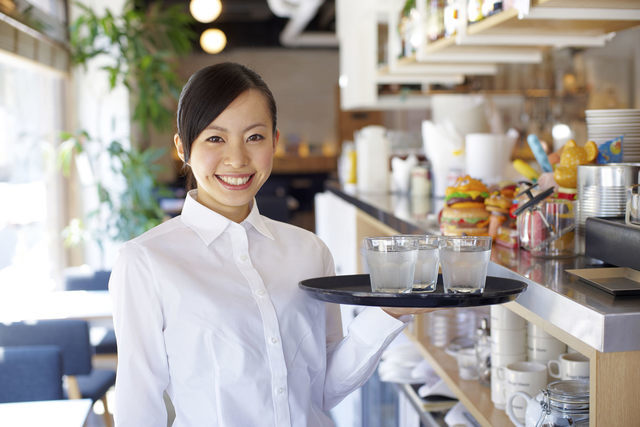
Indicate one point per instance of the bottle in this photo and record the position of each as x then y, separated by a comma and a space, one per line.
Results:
451, 14
474, 11
435, 20
420, 182
483, 352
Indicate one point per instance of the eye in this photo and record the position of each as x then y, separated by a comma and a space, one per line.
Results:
255, 138
215, 139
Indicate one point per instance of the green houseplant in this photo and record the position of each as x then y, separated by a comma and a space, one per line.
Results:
141, 47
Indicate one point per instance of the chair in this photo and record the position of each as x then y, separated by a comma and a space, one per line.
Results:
30, 373
81, 279
72, 337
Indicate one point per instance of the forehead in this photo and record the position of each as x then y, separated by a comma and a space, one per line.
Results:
251, 102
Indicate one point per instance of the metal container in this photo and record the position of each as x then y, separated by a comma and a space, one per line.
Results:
602, 193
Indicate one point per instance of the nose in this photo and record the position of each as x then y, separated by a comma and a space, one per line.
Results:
235, 155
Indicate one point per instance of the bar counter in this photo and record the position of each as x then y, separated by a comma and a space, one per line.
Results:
591, 316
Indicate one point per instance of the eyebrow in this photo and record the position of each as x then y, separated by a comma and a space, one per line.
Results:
214, 127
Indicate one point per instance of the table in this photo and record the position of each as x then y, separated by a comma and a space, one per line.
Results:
87, 305
50, 413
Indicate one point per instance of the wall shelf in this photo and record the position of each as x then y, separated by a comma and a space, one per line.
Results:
367, 31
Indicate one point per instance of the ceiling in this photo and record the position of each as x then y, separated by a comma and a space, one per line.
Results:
251, 23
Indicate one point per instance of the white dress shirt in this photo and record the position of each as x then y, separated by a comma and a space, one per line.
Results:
210, 311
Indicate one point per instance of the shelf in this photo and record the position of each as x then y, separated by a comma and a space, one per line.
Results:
292, 164
517, 35
473, 395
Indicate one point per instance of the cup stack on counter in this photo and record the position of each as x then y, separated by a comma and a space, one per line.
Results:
508, 345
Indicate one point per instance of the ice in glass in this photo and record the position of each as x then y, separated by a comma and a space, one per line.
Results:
426, 272
464, 262
391, 262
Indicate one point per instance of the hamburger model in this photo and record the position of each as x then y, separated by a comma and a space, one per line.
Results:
464, 213
498, 204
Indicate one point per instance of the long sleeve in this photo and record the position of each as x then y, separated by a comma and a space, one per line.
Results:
351, 359
142, 374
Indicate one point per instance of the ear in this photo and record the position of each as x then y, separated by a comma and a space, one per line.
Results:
179, 147
276, 138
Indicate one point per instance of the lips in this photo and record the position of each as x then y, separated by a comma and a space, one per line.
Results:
235, 182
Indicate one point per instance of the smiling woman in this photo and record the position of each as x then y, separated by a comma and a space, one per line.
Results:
215, 291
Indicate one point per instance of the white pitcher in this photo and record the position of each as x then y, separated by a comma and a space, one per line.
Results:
533, 409
373, 149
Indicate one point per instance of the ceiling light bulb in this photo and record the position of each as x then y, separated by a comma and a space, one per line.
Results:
205, 10
213, 40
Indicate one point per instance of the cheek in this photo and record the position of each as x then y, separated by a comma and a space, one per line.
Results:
204, 163
264, 160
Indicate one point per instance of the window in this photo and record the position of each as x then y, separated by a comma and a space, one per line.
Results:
32, 100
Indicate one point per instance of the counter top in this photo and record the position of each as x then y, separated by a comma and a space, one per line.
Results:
598, 319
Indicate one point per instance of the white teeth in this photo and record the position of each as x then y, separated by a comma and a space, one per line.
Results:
234, 180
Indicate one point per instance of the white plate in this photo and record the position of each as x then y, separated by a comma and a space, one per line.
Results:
613, 111
591, 121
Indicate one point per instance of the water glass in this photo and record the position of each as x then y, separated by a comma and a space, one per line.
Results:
632, 211
464, 261
391, 262
426, 273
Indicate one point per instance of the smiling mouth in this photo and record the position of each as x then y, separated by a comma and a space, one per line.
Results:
235, 182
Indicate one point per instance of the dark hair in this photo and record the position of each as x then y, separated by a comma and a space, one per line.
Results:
209, 92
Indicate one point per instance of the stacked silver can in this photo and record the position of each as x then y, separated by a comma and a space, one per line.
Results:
602, 193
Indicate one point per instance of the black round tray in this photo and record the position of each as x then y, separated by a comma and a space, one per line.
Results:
355, 289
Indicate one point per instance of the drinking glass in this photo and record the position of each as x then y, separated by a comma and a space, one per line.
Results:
426, 273
392, 262
464, 261
632, 211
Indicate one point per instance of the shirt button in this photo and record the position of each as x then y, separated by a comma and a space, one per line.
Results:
243, 258
260, 292
280, 390
274, 340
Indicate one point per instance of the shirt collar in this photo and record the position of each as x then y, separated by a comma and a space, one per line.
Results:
209, 224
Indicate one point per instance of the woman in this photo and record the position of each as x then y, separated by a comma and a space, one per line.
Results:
207, 305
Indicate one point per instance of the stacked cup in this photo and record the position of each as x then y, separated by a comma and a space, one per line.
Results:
542, 347
445, 325
508, 345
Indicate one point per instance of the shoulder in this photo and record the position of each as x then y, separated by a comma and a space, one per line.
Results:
153, 240
159, 232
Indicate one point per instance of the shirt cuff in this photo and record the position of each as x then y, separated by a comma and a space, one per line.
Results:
405, 318
373, 323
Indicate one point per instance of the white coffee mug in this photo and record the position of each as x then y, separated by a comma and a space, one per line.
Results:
570, 366
529, 377
534, 330
497, 385
508, 341
540, 349
503, 318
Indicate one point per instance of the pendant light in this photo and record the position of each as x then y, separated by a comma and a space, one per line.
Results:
213, 40
205, 10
